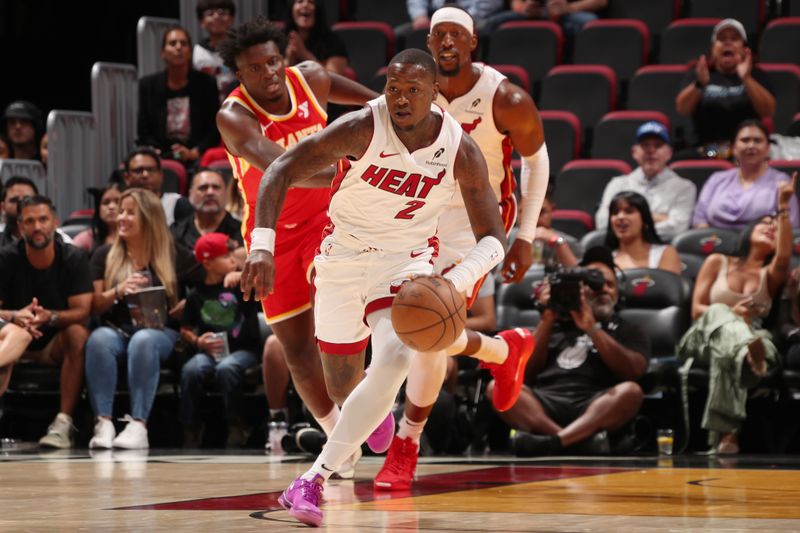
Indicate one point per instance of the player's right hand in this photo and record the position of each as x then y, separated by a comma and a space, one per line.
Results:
258, 275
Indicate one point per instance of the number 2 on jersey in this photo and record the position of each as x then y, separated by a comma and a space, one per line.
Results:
408, 212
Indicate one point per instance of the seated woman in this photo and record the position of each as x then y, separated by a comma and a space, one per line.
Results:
104, 220
178, 106
731, 199
731, 296
142, 255
721, 91
310, 38
631, 235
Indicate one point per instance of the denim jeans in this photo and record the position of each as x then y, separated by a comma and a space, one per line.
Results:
145, 350
228, 373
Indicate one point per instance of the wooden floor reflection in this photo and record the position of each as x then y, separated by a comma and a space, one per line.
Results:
160, 490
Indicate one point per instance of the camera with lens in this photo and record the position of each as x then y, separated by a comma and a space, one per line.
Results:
565, 287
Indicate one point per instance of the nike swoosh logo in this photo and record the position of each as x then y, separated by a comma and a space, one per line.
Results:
416, 253
325, 467
387, 155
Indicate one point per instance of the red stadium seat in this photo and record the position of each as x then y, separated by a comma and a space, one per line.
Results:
616, 133
176, 168
698, 171
780, 42
370, 45
572, 222
581, 183
685, 40
654, 88
516, 75
562, 132
785, 79
657, 14
749, 12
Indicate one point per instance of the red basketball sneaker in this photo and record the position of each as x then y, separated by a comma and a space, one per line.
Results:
398, 470
509, 375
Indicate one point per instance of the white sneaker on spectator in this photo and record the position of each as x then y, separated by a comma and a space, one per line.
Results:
104, 434
59, 433
133, 437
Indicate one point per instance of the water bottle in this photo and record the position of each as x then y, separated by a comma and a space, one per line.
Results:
277, 429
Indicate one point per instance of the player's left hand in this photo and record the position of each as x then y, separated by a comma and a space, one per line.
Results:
258, 275
517, 262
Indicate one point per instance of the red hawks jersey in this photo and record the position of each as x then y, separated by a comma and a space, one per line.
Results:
391, 199
473, 111
304, 118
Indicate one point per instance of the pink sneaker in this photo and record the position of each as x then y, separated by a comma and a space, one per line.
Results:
380, 439
302, 499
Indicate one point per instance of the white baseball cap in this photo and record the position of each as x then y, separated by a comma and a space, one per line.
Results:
729, 23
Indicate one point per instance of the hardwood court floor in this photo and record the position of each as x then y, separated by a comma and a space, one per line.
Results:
163, 490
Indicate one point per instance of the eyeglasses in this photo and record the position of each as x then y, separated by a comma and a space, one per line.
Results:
221, 11
138, 171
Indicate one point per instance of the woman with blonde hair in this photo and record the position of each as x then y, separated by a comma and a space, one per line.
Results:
141, 255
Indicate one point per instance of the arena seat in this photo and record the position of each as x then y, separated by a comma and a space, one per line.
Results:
616, 133
749, 12
794, 127
785, 80
545, 37
596, 237
695, 245
780, 42
656, 14
516, 75
685, 40
621, 44
369, 45
562, 132
581, 183
173, 170
786, 165
515, 303
588, 91
697, 171
654, 88
392, 12
416, 39
573, 222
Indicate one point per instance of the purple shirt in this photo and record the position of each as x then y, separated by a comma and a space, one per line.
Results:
723, 203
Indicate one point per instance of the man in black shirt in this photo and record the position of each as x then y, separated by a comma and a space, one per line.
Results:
46, 289
580, 378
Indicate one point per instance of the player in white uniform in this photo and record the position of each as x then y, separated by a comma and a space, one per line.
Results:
399, 159
500, 117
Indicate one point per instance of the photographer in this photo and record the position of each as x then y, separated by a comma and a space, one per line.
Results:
580, 378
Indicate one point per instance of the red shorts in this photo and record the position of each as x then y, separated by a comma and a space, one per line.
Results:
295, 249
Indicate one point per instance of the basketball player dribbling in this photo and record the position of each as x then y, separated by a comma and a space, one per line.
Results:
500, 117
399, 160
272, 109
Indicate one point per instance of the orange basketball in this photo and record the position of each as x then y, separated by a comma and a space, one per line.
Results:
428, 314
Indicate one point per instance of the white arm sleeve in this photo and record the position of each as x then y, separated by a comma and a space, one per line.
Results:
479, 261
535, 174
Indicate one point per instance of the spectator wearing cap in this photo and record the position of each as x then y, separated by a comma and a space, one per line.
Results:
580, 381
722, 90
732, 199
23, 126
670, 197
16, 188
213, 309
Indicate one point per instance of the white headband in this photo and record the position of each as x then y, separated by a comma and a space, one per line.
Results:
454, 15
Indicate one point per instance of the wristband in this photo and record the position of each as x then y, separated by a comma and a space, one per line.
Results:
263, 239
597, 326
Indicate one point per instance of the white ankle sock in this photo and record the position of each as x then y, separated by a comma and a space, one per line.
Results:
409, 428
328, 422
492, 349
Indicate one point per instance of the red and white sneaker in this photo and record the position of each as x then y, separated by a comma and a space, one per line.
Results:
398, 470
509, 376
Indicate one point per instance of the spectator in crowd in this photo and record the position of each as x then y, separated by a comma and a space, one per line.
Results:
731, 297
43, 149
633, 238
553, 244
5, 148
177, 106
216, 17
103, 229
310, 37
722, 90
213, 308
23, 126
572, 15
13, 342
670, 197
731, 199
16, 188
142, 255
580, 381
143, 169
45, 288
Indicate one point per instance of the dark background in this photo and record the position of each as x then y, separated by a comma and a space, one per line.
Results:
48, 47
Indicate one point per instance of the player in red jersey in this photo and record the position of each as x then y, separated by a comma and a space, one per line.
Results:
273, 108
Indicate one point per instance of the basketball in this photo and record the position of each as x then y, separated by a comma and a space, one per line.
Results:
428, 314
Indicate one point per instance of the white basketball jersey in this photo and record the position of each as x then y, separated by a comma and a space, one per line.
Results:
473, 111
391, 199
